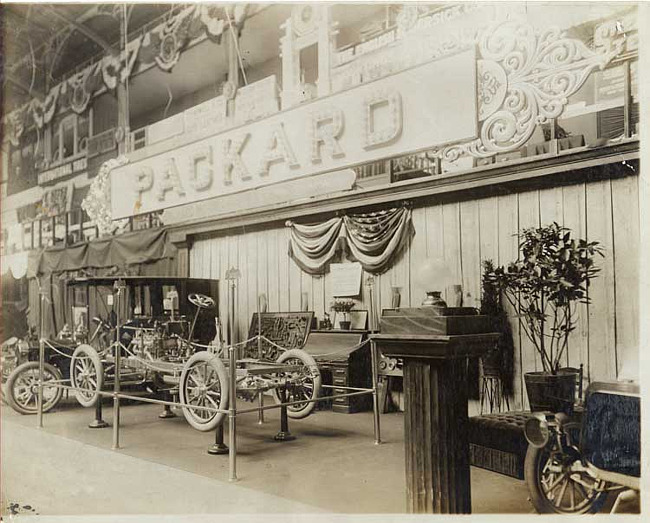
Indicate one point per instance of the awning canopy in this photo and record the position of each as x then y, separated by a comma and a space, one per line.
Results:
138, 247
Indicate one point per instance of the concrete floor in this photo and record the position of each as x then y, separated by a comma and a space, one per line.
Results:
162, 468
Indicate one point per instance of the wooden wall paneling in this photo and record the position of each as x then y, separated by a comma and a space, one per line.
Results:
318, 293
195, 258
602, 310
241, 298
470, 253
223, 246
575, 218
418, 255
528, 204
625, 212
251, 277
551, 206
284, 264
488, 221
264, 237
402, 278
508, 250
452, 241
215, 261
551, 210
274, 248
294, 286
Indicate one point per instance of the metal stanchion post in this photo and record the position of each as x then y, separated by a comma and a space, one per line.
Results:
284, 434
375, 399
120, 286
98, 422
41, 363
260, 398
232, 415
219, 447
232, 275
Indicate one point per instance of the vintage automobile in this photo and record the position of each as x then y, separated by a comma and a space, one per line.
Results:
171, 349
20, 368
573, 465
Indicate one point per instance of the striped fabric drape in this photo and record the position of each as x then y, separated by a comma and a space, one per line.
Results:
370, 238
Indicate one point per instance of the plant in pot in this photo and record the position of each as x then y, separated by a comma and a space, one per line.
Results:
344, 307
499, 360
544, 286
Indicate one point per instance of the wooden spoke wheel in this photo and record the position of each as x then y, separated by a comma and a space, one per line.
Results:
204, 383
87, 374
555, 488
304, 384
22, 388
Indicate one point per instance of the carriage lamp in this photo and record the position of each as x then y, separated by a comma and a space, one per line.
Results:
536, 431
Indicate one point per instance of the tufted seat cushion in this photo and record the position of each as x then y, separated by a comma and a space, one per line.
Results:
497, 442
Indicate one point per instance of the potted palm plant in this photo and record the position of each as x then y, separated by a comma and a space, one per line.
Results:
544, 286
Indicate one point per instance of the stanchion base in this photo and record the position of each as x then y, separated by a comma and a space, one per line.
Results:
218, 449
284, 436
166, 414
97, 424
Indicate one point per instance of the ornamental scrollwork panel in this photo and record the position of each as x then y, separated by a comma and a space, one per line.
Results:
524, 78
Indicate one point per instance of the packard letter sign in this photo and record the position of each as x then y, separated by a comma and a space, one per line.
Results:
422, 107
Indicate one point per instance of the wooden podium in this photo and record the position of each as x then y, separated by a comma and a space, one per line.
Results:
435, 416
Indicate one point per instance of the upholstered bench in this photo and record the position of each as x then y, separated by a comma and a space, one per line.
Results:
497, 442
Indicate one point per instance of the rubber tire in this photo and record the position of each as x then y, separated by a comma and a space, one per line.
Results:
541, 503
99, 369
220, 369
293, 411
9, 387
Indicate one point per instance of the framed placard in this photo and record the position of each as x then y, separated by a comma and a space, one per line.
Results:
358, 320
346, 279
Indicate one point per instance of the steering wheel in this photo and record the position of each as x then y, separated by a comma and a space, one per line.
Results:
201, 301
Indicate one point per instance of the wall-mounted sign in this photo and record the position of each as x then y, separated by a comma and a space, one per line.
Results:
423, 107
346, 279
62, 171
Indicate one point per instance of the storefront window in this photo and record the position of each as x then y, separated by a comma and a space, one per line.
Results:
70, 136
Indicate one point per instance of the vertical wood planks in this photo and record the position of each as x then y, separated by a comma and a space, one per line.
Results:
575, 218
488, 221
284, 286
418, 256
528, 204
508, 249
464, 234
625, 212
602, 311
451, 241
470, 253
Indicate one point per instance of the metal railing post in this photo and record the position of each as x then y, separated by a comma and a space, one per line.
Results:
120, 286
232, 408
232, 415
41, 363
375, 399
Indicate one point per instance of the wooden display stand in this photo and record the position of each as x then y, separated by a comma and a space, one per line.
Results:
435, 417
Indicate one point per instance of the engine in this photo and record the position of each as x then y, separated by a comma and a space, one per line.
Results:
161, 342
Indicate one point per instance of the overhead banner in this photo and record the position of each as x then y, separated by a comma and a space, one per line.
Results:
420, 108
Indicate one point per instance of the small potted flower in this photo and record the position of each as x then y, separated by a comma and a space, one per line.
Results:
344, 307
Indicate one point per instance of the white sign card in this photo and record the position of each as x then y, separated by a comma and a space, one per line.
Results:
346, 279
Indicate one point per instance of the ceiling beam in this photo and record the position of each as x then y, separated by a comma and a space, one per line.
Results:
93, 35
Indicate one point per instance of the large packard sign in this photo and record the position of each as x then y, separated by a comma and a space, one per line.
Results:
429, 105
